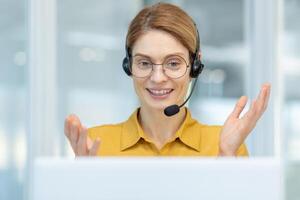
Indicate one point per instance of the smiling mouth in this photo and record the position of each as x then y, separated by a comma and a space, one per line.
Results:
160, 92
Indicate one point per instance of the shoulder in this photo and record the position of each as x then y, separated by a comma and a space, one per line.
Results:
105, 131
209, 129
210, 137
210, 134
109, 136
212, 131
200, 127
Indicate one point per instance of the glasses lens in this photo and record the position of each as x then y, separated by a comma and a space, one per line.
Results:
141, 67
175, 67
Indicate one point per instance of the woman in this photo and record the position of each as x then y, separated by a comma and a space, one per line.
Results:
162, 58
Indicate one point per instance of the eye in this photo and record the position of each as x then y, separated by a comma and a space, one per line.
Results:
173, 63
144, 64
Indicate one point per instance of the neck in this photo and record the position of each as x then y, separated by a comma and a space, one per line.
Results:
158, 127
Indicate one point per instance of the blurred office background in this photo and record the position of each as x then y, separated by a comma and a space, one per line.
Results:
62, 57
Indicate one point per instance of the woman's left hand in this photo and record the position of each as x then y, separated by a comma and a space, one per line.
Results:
236, 128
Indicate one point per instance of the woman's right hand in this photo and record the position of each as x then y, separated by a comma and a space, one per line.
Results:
77, 135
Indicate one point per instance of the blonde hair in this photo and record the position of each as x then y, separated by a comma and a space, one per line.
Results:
168, 18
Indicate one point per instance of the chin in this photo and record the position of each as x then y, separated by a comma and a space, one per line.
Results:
155, 106
158, 105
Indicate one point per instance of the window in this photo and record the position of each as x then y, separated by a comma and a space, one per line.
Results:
13, 98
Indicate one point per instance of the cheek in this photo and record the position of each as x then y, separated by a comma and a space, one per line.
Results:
183, 86
138, 86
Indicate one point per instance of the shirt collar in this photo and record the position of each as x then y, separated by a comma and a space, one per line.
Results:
188, 133
131, 131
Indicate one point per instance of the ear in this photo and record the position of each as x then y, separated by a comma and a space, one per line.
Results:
199, 55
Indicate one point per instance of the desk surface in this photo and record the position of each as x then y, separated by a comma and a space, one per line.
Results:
157, 178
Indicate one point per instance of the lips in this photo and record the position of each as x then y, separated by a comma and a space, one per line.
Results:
159, 92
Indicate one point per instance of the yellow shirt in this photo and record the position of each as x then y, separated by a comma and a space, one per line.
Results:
128, 139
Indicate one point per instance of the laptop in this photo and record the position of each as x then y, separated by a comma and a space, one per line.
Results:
149, 178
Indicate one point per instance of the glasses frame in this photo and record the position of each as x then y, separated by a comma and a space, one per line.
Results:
162, 64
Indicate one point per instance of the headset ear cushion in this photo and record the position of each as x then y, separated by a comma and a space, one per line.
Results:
126, 66
197, 68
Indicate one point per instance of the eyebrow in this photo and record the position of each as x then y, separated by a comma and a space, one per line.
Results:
168, 55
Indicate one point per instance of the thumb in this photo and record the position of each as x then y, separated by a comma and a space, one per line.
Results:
89, 143
95, 147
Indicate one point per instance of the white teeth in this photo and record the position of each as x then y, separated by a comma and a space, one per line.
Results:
160, 92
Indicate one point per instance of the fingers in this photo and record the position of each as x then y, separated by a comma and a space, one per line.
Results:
262, 100
89, 143
82, 142
83, 146
259, 105
268, 88
95, 147
73, 126
67, 127
77, 134
68, 123
250, 114
239, 107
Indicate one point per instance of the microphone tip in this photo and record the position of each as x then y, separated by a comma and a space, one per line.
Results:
171, 110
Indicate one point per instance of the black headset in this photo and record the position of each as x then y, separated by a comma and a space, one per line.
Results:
197, 65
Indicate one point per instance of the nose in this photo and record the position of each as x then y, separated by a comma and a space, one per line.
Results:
158, 75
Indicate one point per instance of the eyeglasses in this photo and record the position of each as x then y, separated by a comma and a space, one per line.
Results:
173, 66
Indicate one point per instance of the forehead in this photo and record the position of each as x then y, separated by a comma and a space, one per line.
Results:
158, 44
